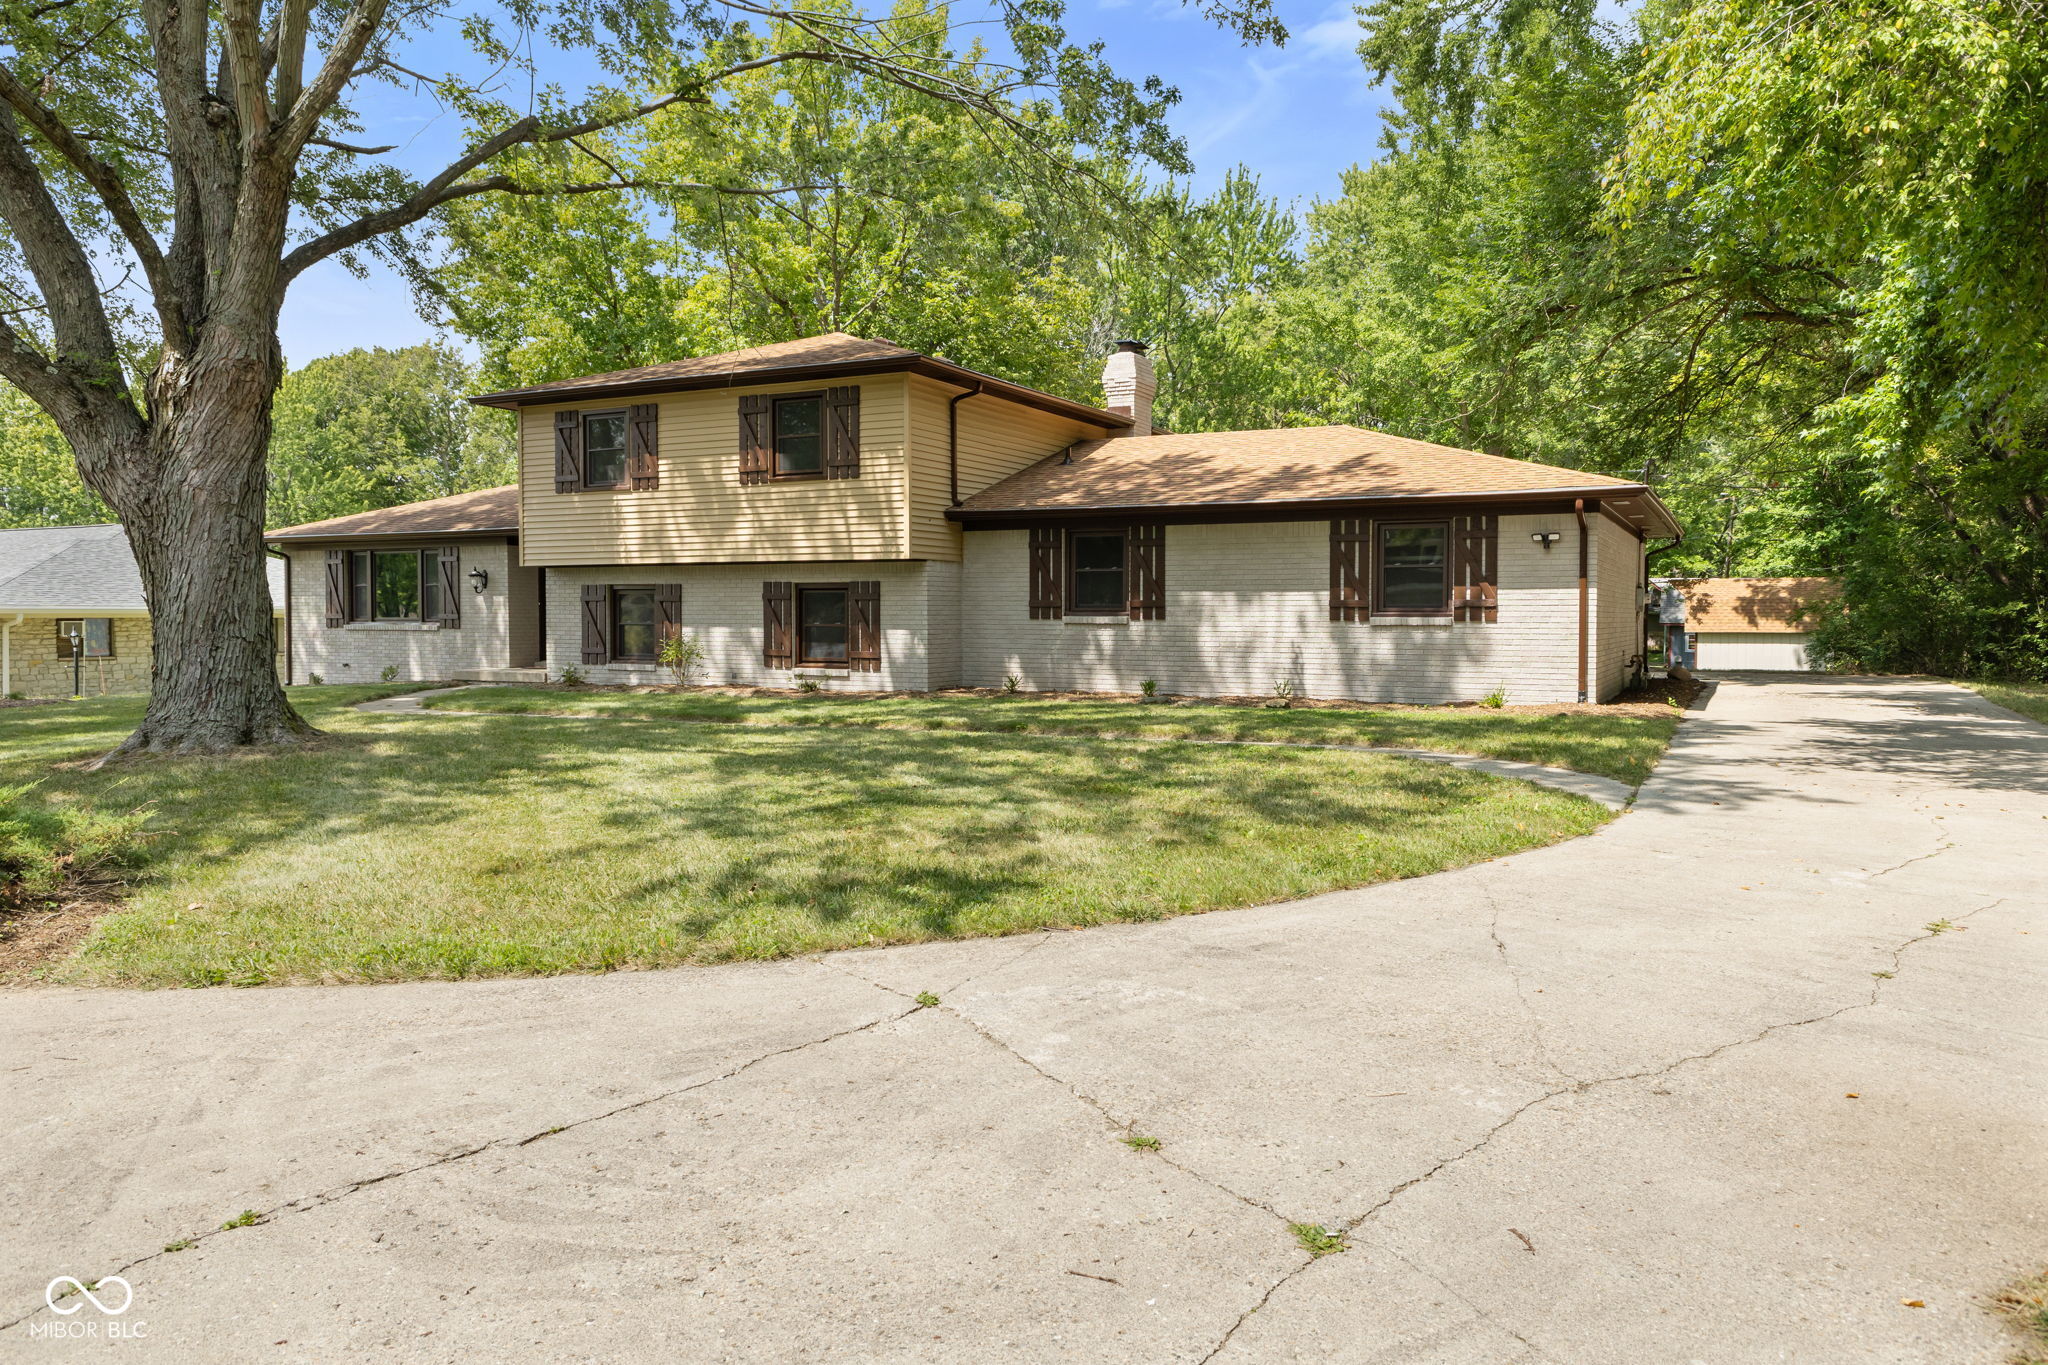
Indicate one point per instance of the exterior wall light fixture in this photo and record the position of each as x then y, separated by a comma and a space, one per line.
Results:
477, 579
1547, 538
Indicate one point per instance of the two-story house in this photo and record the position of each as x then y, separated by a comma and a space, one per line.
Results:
853, 512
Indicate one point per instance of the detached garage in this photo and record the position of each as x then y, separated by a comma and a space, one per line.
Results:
1750, 623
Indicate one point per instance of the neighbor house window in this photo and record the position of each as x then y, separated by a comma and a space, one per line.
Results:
799, 436
821, 627
1097, 586
633, 632
95, 637
1414, 569
396, 585
604, 449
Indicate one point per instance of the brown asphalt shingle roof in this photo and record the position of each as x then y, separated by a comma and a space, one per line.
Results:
832, 348
1750, 605
1284, 465
486, 509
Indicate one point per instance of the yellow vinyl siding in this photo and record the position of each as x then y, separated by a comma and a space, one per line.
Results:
997, 438
702, 513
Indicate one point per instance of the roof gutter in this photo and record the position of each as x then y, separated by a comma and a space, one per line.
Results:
1579, 510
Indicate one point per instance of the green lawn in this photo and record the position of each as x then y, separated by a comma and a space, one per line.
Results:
1622, 746
2029, 699
444, 846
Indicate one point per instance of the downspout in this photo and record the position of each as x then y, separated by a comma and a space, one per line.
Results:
7, 652
273, 551
953, 442
1579, 511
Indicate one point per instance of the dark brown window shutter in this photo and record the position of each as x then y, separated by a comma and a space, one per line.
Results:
1351, 570
451, 580
337, 587
643, 445
756, 460
597, 623
777, 609
842, 432
864, 642
1475, 595
568, 452
1045, 573
668, 610
1145, 572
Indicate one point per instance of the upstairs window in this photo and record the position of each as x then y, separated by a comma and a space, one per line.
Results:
604, 449
1414, 569
1097, 587
799, 436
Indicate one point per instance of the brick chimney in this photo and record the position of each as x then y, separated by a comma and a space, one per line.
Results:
1128, 386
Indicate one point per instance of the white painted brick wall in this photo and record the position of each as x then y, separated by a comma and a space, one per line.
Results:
1248, 604
420, 652
1617, 612
722, 608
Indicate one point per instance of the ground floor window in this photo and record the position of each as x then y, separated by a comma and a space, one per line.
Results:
1098, 573
1414, 568
395, 585
95, 637
633, 625
821, 625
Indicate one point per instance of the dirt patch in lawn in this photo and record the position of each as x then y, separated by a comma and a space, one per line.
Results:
36, 934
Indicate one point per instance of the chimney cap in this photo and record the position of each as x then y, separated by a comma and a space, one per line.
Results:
1134, 347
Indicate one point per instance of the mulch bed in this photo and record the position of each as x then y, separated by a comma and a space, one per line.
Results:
39, 932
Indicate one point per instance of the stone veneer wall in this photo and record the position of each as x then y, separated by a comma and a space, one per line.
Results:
37, 671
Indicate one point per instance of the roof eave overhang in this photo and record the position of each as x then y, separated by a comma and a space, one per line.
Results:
313, 537
513, 399
1652, 517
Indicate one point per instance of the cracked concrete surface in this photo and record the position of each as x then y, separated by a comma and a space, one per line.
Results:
1587, 1104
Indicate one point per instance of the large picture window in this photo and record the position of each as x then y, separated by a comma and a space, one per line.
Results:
633, 625
604, 449
1413, 576
799, 436
821, 626
95, 637
1097, 586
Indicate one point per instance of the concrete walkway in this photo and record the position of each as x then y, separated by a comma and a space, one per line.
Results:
1605, 790
1756, 1073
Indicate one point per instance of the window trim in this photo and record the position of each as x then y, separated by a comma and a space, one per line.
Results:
64, 638
583, 421
429, 557
1379, 574
612, 591
1071, 585
797, 657
775, 471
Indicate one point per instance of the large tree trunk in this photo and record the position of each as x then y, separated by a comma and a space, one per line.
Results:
193, 507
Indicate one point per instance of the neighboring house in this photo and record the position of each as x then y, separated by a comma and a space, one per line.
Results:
854, 513
57, 581
1741, 623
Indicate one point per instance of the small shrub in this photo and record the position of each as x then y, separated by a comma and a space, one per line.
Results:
1283, 694
315, 679
1148, 688
809, 685
1496, 698
390, 673
682, 656
1011, 682
570, 676
17, 695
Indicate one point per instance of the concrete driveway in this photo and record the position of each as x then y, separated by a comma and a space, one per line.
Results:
1704, 1087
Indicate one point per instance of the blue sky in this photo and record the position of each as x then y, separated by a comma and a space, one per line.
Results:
1297, 115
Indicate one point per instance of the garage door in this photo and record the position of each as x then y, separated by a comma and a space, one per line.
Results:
1784, 653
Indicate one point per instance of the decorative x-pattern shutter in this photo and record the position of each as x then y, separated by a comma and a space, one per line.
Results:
568, 452
842, 432
451, 579
337, 587
777, 609
1045, 573
1351, 570
1145, 564
1475, 596
668, 610
864, 613
597, 623
756, 462
643, 445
